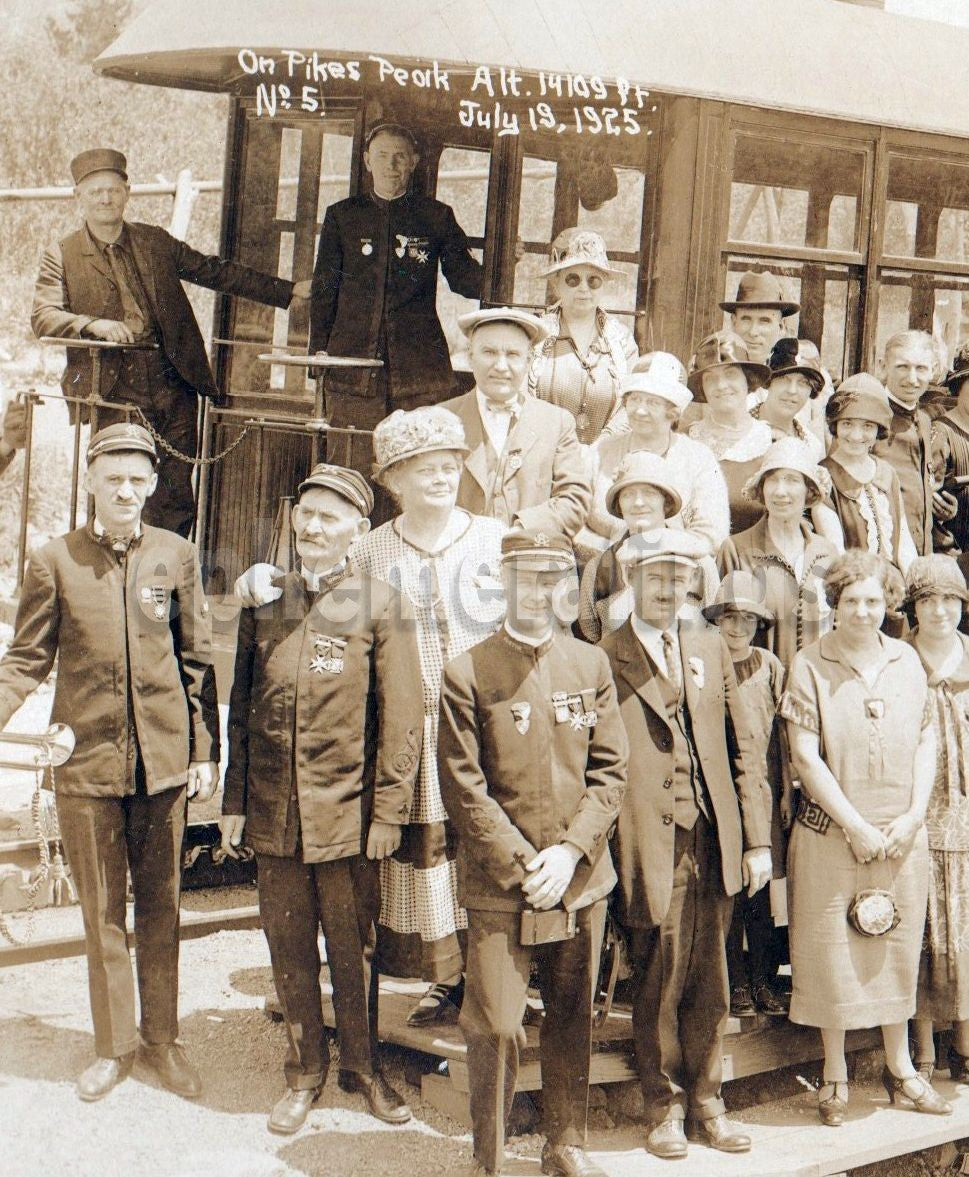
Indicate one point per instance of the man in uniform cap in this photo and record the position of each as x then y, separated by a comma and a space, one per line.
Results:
324, 732
532, 762
525, 467
758, 311
691, 830
375, 291
121, 281
120, 605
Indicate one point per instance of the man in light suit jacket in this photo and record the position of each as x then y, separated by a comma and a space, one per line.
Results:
525, 467
691, 831
121, 281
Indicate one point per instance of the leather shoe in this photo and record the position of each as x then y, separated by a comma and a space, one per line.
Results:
742, 1003
722, 1134
168, 1063
289, 1114
768, 1002
440, 1005
102, 1075
384, 1102
568, 1160
667, 1140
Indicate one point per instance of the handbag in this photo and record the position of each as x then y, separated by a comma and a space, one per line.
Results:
873, 911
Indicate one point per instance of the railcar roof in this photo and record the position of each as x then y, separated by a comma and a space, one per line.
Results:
813, 56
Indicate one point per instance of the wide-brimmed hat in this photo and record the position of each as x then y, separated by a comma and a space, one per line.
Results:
533, 327
960, 368
723, 349
662, 544
349, 484
860, 398
98, 159
790, 453
578, 247
933, 575
659, 374
761, 289
405, 434
536, 549
740, 592
788, 358
643, 468
122, 438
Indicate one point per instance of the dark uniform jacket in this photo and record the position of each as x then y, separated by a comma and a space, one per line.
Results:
643, 845
327, 712
517, 778
908, 450
76, 286
137, 632
544, 482
376, 286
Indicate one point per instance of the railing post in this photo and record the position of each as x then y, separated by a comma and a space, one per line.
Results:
183, 201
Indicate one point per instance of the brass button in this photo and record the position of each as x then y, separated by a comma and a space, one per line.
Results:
668, 783
667, 819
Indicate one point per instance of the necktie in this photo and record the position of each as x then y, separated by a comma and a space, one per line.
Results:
130, 309
672, 655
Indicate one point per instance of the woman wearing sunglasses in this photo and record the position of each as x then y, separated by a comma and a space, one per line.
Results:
580, 365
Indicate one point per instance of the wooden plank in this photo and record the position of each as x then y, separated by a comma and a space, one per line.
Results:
441, 1094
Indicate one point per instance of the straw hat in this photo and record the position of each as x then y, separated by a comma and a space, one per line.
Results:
533, 327
578, 247
662, 544
790, 453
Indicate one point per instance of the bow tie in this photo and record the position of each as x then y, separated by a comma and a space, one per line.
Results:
117, 543
503, 408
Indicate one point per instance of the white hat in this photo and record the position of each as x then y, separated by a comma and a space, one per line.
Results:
643, 468
578, 247
659, 374
533, 327
664, 543
790, 453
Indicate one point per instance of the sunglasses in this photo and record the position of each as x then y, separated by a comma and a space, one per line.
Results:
593, 281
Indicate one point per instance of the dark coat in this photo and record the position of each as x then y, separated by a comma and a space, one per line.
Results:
346, 743
511, 792
643, 845
98, 617
76, 286
382, 303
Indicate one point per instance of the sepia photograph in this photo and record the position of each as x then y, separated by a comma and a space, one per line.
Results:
484, 591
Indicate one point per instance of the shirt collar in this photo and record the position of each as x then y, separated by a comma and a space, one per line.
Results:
122, 239
100, 531
526, 640
509, 408
315, 580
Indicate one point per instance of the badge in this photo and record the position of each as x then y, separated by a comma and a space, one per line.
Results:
514, 463
402, 247
412, 250
422, 256
583, 719
875, 708
329, 655
521, 713
560, 702
158, 595
697, 670
366, 246
582, 420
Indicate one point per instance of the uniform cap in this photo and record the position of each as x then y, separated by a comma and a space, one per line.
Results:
122, 438
350, 484
98, 159
662, 544
546, 550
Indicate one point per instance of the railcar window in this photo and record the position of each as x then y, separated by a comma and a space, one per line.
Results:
463, 179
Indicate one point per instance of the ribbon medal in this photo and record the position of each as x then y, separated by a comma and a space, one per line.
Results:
521, 713
560, 703
366, 246
158, 595
329, 655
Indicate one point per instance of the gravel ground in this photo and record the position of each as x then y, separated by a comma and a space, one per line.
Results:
46, 1041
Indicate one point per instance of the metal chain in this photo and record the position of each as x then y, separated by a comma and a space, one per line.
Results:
167, 446
33, 890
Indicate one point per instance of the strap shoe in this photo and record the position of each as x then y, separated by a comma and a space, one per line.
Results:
103, 1075
440, 1005
384, 1102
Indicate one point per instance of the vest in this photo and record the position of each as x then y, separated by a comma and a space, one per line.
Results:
689, 791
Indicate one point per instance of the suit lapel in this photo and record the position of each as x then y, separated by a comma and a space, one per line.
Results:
638, 672
692, 647
476, 462
94, 256
521, 437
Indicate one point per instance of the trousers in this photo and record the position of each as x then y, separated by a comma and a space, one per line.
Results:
105, 838
681, 997
496, 989
296, 899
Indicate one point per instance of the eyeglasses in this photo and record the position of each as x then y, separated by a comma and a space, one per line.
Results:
593, 281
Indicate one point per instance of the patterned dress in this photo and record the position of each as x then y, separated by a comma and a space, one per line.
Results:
739, 460
456, 601
943, 993
872, 514
586, 385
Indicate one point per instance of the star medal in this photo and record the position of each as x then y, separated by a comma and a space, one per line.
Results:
329, 655
521, 713
422, 256
157, 594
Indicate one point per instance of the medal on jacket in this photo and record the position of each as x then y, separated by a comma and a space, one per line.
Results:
514, 462
366, 246
402, 247
329, 655
158, 594
560, 703
521, 713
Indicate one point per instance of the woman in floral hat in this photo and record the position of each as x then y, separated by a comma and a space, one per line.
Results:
438, 556
581, 362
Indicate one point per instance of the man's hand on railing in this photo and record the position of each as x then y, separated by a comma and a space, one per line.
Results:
110, 329
255, 586
303, 290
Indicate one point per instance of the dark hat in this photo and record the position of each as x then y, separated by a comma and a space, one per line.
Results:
860, 398
350, 484
120, 439
391, 128
960, 368
98, 159
549, 551
761, 289
787, 358
723, 349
